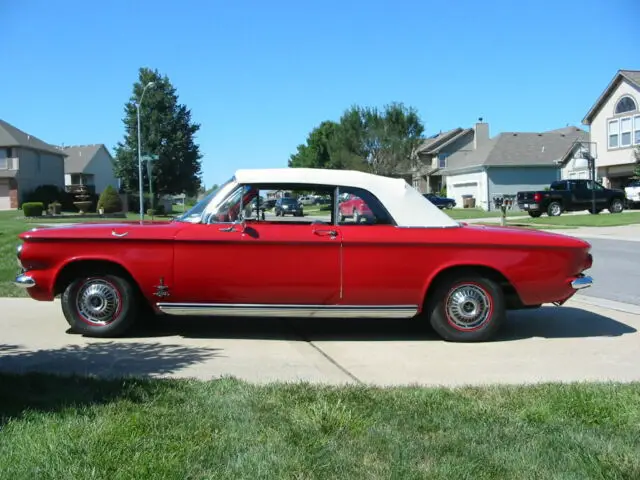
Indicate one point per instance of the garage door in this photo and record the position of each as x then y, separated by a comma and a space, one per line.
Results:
5, 201
466, 188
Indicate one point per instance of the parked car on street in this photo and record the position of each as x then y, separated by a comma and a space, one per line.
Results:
571, 196
410, 260
288, 205
440, 202
632, 191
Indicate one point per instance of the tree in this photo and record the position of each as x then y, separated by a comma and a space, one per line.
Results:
382, 142
110, 200
167, 131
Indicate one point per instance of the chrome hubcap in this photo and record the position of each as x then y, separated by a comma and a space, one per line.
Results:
98, 301
468, 307
555, 209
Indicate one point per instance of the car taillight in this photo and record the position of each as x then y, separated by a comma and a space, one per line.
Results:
537, 197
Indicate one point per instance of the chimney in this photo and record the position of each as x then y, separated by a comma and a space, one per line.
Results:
480, 134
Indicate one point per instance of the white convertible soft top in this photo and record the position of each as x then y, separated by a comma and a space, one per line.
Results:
405, 204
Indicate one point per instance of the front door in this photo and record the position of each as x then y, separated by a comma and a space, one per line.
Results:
243, 254
290, 263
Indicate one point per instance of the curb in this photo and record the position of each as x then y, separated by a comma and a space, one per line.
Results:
607, 304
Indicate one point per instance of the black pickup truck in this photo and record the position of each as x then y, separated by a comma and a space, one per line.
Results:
571, 196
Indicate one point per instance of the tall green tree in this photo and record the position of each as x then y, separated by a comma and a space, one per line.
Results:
167, 130
383, 141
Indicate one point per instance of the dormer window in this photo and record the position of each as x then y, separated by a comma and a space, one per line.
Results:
626, 104
442, 160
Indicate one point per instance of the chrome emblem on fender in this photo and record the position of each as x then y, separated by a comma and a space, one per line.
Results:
162, 290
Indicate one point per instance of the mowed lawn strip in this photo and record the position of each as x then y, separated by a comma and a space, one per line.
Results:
587, 220
176, 429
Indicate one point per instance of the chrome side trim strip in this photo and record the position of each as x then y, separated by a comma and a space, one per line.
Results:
24, 281
582, 282
308, 311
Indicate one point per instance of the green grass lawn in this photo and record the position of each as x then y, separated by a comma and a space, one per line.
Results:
601, 220
466, 213
517, 223
226, 429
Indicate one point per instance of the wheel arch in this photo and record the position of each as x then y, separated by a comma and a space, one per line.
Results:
75, 267
511, 295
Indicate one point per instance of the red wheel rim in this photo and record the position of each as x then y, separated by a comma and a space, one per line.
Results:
468, 307
98, 302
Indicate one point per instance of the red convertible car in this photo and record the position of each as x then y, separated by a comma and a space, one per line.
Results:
404, 259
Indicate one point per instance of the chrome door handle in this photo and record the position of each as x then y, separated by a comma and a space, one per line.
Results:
331, 233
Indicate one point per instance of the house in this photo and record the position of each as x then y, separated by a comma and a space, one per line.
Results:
26, 162
486, 167
614, 127
432, 155
89, 165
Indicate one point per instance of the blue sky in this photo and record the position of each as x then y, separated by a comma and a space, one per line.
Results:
258, 75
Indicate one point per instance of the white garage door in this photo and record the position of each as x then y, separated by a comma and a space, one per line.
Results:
466, 188
5, 201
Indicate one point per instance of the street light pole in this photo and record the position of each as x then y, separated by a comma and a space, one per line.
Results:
141, 193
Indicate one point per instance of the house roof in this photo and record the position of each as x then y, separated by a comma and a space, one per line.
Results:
11, 136
79, 156
632, 76
521, 149
437, 140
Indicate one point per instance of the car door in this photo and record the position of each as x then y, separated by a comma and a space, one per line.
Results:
289, 263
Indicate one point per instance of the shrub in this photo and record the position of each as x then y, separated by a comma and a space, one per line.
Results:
110, 200
151, 212
46, 194
33, 209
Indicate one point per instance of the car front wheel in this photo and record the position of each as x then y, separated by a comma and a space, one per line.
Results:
467, 308
100, 305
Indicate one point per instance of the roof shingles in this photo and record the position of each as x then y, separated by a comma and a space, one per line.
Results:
11, 136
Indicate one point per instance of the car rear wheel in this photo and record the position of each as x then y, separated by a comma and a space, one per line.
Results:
449, 206
616, 206
554, 209
100, 305
535, 214
467, 308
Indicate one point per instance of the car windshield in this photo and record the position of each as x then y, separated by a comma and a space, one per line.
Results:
194, 214
289, 201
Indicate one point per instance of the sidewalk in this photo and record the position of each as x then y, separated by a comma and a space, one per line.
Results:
630, 233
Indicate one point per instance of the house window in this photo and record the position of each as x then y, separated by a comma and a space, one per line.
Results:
625, 104
442, 160
4, 163
613, 133
625, 131
636, 130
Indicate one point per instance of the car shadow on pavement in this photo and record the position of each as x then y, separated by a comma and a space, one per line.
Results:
546, 322
104, 359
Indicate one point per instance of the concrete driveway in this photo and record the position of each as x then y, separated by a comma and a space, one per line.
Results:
579, 341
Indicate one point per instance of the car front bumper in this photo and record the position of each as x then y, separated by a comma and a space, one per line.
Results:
24, 281
582, 282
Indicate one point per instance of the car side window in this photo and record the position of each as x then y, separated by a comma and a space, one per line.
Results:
357, 206
285, 204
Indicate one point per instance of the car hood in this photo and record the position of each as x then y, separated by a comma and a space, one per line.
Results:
521, 236
134, 230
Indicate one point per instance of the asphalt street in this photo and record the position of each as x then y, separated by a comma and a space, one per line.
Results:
615, 271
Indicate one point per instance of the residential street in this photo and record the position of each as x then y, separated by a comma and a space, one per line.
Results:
578, 341
616, 270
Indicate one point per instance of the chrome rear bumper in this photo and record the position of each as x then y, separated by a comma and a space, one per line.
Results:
582, 282
24, 281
